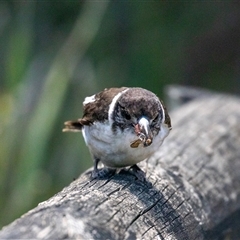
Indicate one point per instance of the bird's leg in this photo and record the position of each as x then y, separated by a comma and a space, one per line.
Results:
103, 173
138, 172
95, 171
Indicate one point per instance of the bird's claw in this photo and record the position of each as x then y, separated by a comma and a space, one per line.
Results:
103, 173
138, 173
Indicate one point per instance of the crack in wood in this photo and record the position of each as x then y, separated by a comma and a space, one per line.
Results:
192, 191
199, 170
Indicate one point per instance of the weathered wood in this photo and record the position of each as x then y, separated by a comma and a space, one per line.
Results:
192, 189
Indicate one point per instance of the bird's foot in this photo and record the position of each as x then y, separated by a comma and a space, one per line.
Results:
138, 173
103, 173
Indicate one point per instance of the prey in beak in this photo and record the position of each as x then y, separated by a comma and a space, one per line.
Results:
143, 131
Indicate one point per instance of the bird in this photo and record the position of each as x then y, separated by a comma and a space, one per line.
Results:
122, 127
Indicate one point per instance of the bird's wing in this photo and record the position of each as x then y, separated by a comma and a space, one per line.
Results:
95, 108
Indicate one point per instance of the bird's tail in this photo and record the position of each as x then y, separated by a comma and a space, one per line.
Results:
72, 126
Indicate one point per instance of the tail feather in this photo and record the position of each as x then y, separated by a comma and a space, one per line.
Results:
72, 126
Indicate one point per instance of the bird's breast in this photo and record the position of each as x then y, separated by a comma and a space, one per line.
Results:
113, 148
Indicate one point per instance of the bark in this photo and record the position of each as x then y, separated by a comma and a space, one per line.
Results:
192, 189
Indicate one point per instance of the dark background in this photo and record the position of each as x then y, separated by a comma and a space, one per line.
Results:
54, 53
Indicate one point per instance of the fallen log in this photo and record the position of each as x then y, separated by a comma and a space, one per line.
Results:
192, 189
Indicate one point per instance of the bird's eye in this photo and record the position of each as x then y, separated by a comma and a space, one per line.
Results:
125, 114
155, 119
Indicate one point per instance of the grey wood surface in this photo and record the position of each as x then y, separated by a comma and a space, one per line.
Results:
192, 189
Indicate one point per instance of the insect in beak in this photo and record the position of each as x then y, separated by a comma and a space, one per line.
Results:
143, 131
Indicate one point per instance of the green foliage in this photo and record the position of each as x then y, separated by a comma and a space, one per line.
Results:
55, 54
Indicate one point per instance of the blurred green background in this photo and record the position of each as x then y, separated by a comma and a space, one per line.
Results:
54, 53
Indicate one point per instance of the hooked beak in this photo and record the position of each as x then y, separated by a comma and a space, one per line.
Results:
144, 132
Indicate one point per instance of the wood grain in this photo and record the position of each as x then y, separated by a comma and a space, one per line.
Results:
192, 189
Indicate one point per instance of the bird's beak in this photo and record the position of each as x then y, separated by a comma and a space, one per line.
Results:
144, 132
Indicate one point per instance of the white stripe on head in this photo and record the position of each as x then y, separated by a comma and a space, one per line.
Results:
163, 111
113, 103
89, 100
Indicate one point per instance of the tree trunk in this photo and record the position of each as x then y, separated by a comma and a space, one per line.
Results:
192, 189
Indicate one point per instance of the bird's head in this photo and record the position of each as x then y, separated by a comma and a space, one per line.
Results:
139, 111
